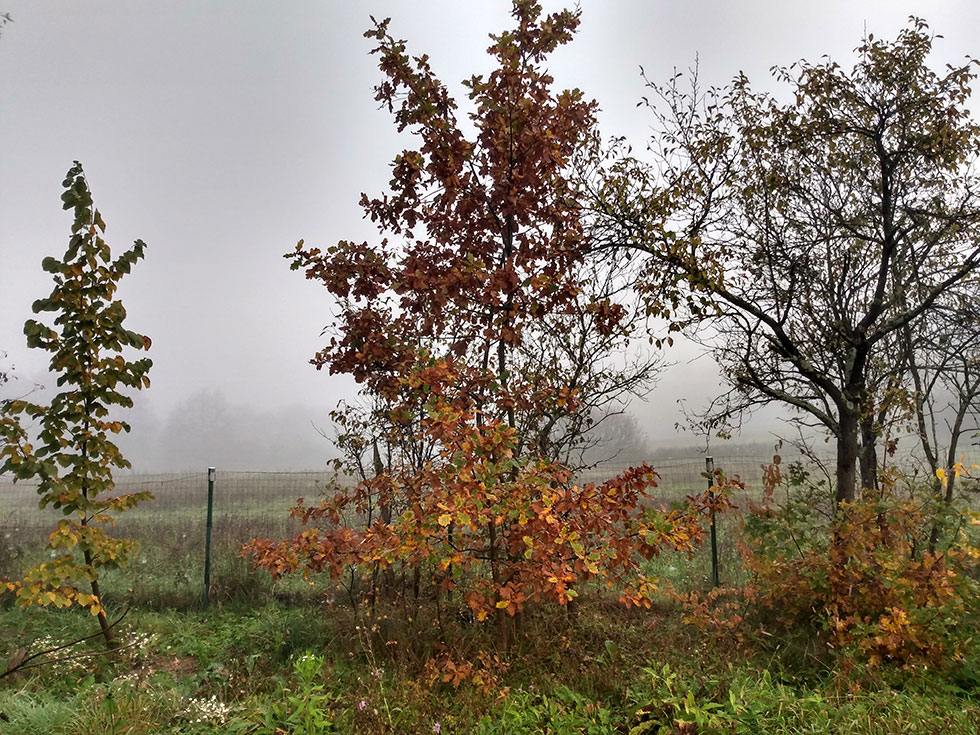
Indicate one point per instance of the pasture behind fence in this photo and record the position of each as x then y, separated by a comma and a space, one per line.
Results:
173, 530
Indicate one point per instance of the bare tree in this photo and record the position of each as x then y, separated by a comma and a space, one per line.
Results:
943, 372
586, 359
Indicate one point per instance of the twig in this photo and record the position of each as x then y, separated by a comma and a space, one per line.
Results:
23, 663
85, 654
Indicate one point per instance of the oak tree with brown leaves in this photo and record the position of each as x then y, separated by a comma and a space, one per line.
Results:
454, 324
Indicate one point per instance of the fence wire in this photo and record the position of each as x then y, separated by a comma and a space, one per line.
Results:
171, 529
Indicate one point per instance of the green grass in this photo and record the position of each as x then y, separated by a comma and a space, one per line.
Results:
30, 713
273, 657
236, 669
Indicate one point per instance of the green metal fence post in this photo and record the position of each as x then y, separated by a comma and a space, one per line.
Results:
207, 542
709, 466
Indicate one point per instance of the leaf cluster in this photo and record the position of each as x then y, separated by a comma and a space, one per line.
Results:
505, 529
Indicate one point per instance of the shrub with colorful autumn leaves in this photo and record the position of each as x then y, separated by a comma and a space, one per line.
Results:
507, 530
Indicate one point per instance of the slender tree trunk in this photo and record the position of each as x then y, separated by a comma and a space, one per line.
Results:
948, 495
384, 505
503, 620
951, 453
103, 621
499, 616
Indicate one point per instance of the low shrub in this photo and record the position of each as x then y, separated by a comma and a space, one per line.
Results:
867, 581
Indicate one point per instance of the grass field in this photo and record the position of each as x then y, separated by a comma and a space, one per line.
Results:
285, 657
251, 505
308, 668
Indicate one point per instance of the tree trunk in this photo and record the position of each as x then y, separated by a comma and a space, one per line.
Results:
500, 616
847, 455
868, 458
384, 505
103, 621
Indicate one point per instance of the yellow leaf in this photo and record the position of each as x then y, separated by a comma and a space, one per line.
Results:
445, 519
503, 604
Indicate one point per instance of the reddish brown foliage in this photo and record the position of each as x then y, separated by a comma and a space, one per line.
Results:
487, 243
864, 581
511, 530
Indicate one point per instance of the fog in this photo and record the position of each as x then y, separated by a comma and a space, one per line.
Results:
222, 133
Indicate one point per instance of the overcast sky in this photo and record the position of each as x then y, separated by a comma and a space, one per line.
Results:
220, 133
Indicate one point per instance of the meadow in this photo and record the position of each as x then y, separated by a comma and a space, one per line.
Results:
312, 655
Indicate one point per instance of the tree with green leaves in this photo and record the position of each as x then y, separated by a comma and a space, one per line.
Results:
66, 445
798, 241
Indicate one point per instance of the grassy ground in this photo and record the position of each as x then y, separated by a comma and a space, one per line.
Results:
312, 667
286, 657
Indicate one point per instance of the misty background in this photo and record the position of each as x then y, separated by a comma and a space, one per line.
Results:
221, 133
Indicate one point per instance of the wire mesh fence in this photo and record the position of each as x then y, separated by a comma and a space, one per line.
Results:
171, 529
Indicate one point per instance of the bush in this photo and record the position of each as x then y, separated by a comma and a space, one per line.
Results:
867, 579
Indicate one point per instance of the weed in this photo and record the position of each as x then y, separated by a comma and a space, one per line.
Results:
303, 711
